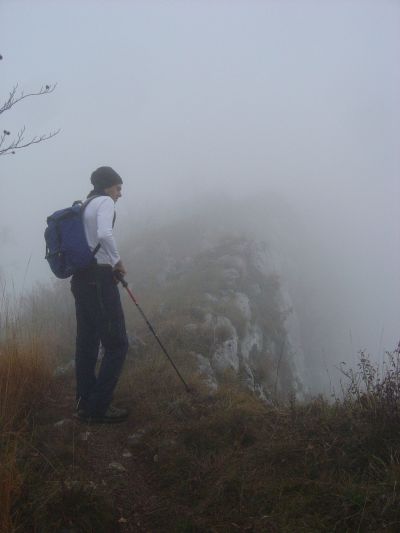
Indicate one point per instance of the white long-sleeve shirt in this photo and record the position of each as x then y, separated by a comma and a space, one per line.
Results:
98, 219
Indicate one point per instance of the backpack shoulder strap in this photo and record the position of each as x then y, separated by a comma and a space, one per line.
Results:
84, 205
88, 200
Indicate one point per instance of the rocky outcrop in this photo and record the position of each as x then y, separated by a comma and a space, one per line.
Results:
231, 309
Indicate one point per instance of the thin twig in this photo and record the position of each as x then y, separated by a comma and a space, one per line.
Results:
18, 142
13, 99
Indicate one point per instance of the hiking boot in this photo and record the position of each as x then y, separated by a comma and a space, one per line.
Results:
113, 415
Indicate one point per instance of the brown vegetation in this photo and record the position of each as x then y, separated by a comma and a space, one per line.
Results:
228, 462
200, 462
25, 378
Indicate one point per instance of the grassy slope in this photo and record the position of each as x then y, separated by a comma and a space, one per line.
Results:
204, 463
25, 375
229, 462
212, 463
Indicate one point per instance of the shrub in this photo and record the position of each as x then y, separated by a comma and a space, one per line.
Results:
374, 391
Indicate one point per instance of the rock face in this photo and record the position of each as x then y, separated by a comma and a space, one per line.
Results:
224, 302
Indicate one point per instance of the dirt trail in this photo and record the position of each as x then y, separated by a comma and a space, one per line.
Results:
118, 471
107, 457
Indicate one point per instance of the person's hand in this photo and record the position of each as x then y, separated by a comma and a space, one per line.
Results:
120, 268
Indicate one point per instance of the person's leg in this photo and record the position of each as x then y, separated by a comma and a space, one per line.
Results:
87, 339
114, 339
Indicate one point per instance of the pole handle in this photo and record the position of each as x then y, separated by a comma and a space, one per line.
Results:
120, 277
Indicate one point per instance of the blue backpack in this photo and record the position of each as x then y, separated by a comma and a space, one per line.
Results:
67, 249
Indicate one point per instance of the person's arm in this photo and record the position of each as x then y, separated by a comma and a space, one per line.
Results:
105, 216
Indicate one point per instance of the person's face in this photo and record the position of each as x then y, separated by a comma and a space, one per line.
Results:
114, 191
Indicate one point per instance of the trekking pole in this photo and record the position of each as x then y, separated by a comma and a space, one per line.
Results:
120, 278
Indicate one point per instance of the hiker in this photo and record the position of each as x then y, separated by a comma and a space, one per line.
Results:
99, 313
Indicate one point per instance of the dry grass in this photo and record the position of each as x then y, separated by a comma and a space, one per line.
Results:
216, 463
228, 462
25, 375
35, 461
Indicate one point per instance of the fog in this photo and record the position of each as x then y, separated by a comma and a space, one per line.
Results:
291, 104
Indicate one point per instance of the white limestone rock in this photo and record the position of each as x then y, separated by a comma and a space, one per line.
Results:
226, 356
117, 466
252, 339
63, 423
242, 302
136, 437
206, 371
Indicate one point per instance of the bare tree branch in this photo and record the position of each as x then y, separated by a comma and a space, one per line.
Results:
13, 98
18, 142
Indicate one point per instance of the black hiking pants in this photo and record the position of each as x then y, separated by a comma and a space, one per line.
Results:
99, 317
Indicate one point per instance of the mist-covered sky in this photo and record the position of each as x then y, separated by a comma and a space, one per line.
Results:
290, 99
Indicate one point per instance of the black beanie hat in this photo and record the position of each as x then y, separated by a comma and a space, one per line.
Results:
104, 177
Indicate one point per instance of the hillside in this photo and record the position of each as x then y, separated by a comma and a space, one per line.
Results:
201, 462
220, 299
247, 450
